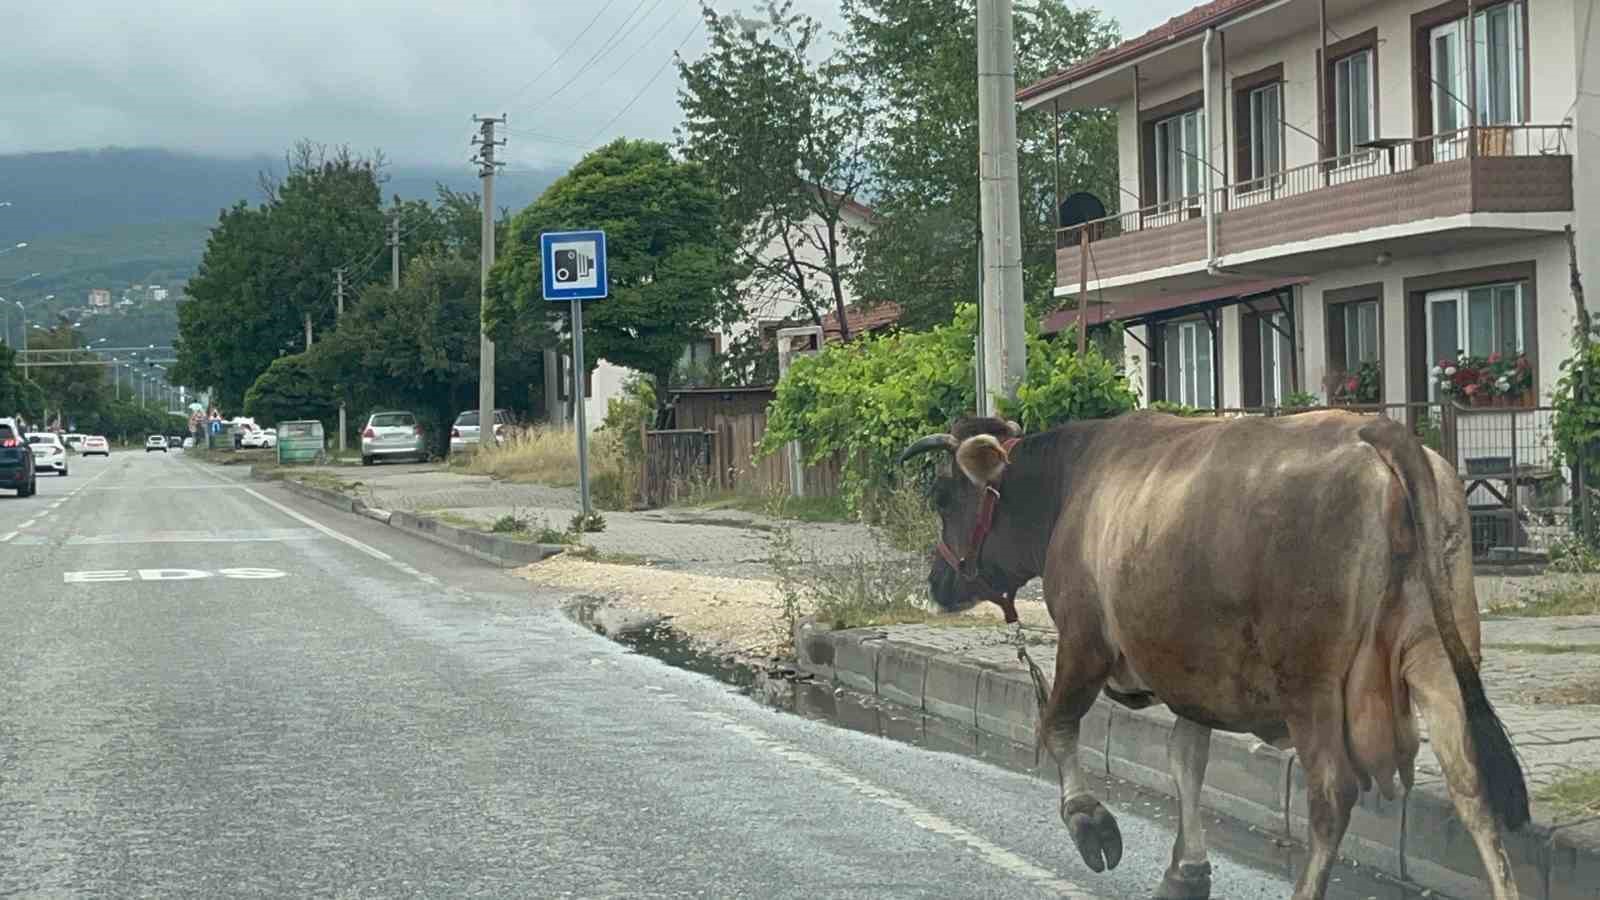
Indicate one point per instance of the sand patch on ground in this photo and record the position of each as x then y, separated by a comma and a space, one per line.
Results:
734, 616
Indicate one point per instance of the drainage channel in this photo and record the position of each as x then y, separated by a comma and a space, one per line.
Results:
787, 690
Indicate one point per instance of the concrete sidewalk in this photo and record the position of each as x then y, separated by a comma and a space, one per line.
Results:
727, 543
971, 677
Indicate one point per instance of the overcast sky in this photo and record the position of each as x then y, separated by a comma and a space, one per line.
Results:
241, 77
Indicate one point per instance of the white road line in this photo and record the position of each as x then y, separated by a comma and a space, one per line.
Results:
28, 524
991, 853
371, 551
6, 538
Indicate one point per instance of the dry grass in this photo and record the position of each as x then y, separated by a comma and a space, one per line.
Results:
543, 455
1577, 599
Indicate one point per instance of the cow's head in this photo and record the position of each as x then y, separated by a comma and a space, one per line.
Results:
980, 462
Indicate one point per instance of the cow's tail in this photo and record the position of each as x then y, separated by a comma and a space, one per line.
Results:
1505, 787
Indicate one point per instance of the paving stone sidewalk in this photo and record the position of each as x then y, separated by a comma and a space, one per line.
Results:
1554, 740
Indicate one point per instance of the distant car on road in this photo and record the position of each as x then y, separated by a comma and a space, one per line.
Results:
391, 435
73, 442
49, 453
155, 442
465, 432
188, 444
95, 445
16, 460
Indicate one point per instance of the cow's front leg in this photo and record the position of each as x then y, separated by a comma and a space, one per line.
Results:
1079, 677
1188, 751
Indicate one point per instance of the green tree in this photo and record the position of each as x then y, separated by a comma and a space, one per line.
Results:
267, 268
76, 393
917, 58
781, 136
18, 396
291, 388
667, 258
417, 348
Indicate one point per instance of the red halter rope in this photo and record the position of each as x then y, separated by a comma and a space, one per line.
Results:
1006, 600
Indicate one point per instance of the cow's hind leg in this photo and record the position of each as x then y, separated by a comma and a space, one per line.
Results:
1080, 674
1434, 686
1332, 785
1188, 751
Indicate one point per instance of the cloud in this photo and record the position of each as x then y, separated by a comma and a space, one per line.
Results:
241, 77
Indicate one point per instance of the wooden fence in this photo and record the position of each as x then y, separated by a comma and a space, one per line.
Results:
676, 462
715, 446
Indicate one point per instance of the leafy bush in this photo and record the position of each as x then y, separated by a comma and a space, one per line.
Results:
1297, 400
1178, 409
1576, 424
869, 398
510, 524
290, 389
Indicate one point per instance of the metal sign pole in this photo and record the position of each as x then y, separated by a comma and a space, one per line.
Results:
578, 373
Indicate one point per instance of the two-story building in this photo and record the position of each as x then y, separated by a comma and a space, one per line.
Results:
1334, 196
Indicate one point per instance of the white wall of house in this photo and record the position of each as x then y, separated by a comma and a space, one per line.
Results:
760, 306
1556, 37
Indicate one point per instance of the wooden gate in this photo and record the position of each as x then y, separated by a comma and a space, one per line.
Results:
676, 462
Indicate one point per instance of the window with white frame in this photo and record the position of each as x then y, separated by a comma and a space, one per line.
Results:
1477, 321
1360, 322
1497, 69
1498, 64
1266, 131
1352, 102
1277, 356
1189, 377
1177, 148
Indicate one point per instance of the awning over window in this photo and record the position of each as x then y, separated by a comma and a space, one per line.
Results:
1172, 305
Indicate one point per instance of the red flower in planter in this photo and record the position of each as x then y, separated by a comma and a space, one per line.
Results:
1351, 384
1470, 389
1494, 358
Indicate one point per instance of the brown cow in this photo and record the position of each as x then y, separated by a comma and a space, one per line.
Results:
1302, 578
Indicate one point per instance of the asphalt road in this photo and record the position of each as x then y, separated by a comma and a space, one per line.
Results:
209, 687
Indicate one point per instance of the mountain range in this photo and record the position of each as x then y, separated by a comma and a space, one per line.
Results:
119, 216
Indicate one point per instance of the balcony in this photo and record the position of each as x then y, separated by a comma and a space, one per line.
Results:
1485, 169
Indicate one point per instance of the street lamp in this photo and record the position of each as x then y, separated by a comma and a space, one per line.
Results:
20, 245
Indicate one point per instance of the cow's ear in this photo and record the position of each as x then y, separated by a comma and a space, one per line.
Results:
982, 459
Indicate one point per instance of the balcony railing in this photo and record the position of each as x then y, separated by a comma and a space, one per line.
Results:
1375, 160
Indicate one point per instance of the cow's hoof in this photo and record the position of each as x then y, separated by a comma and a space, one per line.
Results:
1094, 831
1187, 881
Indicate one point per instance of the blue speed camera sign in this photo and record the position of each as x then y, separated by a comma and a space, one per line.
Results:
574, 264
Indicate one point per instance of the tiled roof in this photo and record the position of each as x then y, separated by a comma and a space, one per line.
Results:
1176, 28
862, 321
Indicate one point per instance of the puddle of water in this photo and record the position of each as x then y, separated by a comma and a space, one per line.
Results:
795, 693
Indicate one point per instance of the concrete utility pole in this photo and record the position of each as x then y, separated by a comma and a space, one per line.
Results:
308, 331
338, 292
487, 164
1004, 343
394, 245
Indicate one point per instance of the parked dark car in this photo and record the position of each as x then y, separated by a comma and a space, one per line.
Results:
16, 460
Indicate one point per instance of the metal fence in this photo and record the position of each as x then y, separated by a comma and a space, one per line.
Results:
1524, 497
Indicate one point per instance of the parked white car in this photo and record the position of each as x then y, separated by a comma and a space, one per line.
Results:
49, 453
261, 438
464, 433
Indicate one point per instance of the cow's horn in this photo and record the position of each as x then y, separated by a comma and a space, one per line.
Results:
931, 442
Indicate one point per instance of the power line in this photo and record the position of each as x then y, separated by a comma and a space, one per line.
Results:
647, 84
604, 46
626, 58
559, 56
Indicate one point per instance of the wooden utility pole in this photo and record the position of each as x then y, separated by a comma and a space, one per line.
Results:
487, 164
338, 292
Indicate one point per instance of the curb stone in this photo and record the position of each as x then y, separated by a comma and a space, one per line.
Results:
978, 709
491, 548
